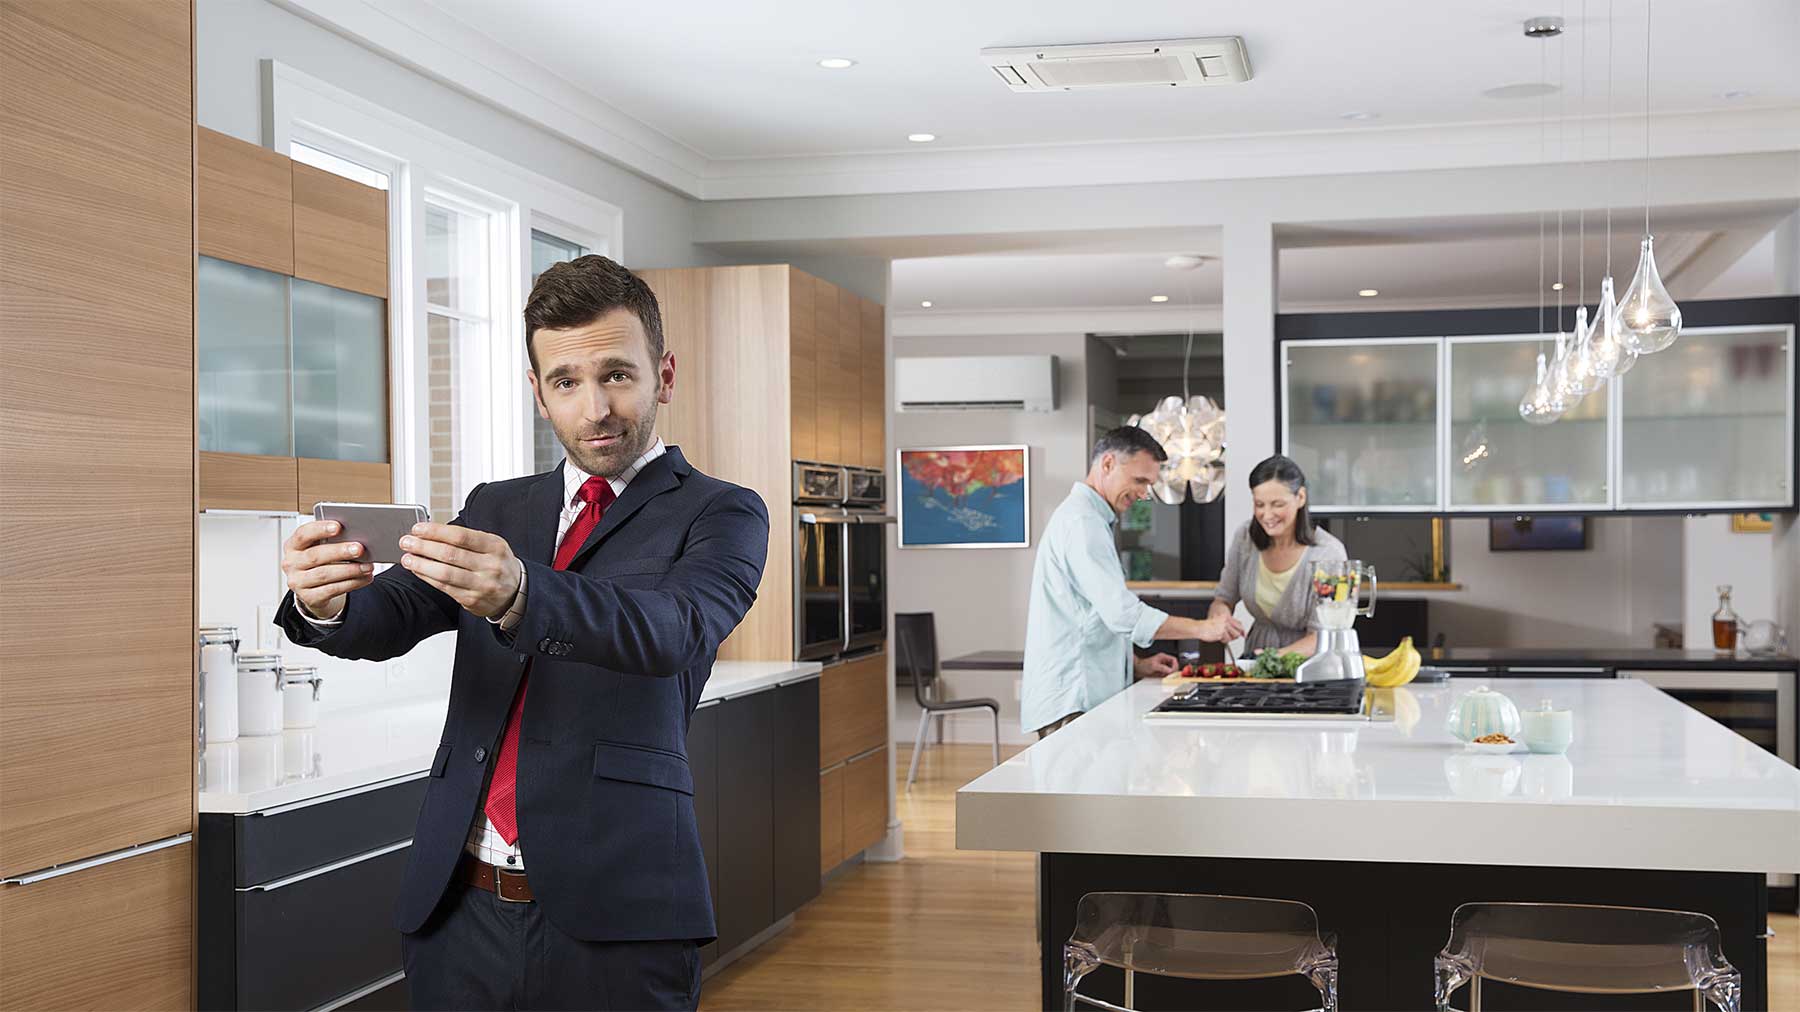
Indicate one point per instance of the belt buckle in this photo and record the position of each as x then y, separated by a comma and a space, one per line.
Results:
500, 877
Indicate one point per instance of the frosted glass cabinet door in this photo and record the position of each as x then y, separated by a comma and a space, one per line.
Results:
1709, 421
240, 325
1497, 460
1361, 421
340, 374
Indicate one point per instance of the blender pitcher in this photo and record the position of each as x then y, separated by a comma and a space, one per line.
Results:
1337, 584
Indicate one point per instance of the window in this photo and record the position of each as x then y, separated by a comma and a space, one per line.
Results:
309, 155
458, 336
547, 249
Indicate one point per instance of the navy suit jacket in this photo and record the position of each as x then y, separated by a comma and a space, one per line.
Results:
619, 645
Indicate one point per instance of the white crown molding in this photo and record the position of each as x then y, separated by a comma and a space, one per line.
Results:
1066, 320
429, 40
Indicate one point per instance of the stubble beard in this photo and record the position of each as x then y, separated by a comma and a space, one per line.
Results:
610, 463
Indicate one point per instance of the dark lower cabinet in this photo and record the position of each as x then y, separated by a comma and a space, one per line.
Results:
796, 801
295, 908
703, 761
746, 818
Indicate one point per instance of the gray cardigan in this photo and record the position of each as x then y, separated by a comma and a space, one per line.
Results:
1293, 615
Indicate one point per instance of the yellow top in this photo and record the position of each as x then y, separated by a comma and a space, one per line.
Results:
1270, 585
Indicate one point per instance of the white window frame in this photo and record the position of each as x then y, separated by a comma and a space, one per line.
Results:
417, 158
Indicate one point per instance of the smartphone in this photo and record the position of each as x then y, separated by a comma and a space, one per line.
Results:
378, 527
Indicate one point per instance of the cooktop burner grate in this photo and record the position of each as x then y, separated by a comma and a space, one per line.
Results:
1343, 697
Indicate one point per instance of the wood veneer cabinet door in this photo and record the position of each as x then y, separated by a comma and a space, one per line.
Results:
344, 481
246, 481
340, 232
115, 936
831, 819
849, 392
865, 801
831, 374
803, 367
852, 708
874, 385
244, 202
97, 464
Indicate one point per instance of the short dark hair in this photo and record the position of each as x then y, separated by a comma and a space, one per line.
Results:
579, 291
1125, 441
1284, 470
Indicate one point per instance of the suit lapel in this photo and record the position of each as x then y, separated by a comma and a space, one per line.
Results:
661, 475
543, 510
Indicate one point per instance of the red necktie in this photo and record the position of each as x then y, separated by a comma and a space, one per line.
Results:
503, 790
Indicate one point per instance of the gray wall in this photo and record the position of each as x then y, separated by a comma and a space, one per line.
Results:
979, 594
233, 36
1607, 596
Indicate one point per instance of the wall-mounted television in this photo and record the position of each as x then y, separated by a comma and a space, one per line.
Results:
1537, 534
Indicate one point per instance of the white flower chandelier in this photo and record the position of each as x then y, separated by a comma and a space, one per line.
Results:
1191, 429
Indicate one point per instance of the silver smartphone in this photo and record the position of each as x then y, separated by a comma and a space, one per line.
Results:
378, 527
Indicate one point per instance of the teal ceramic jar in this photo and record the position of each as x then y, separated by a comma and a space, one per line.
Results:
1483, 711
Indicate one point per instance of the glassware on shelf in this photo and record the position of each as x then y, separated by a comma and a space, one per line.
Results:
1649, 318
1725, 623
1606, 343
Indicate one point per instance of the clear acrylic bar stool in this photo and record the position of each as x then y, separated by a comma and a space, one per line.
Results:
1198, 937
1586, 950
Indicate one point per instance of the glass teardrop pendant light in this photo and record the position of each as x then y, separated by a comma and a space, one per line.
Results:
1541, 404
1649, 318
1578, 379
1606, 345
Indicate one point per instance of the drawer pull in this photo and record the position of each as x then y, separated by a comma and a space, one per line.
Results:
59, 870
282, 883
362, 992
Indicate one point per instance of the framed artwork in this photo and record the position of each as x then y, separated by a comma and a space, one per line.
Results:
965, 497
1537, 534
1752, 523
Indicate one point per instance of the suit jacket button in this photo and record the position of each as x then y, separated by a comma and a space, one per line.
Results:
544, 644
480, 754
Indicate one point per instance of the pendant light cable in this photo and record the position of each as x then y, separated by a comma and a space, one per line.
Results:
1609, 122
1581, 159
1646, 117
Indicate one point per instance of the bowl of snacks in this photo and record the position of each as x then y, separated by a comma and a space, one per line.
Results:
1495, 742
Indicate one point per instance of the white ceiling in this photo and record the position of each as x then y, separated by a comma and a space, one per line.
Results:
734, 80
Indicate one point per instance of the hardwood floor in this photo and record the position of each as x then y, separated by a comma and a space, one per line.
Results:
953, 929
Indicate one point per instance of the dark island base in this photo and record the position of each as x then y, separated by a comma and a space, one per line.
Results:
1391, 920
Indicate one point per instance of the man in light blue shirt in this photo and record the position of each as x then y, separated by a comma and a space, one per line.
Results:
1083, 619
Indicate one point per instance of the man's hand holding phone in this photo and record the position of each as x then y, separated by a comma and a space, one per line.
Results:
321, 574
477, 569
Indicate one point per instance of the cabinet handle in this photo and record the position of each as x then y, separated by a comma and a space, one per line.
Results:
282, 883
362, 992
110, 857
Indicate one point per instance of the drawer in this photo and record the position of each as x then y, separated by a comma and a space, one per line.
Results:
303, 943
270, 847
853, 715
831, 819
865, 801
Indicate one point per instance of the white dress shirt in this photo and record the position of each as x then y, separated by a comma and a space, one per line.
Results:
485, 842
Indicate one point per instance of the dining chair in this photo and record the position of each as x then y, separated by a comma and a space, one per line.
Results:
1198, 937
1582, 949
915, 637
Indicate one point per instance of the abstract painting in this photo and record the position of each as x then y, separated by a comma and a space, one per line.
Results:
965, 497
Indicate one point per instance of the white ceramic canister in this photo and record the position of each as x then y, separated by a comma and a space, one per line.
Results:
259, 692
1482, 711
300, 696
218, 684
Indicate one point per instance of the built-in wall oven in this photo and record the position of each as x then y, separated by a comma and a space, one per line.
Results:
840, 560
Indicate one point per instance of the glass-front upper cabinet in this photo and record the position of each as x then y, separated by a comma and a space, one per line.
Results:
1360, 417
1709, 421
1498, 461
241, 328
340, 374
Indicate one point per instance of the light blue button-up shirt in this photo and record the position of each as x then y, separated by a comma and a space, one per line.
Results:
1083, 619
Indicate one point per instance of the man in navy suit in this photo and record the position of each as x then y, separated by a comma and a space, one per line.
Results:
556, 862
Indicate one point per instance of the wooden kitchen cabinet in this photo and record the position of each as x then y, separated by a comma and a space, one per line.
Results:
803, 369
244, 202
865, 800
852, 708
874, 385
850, 366
340, 231
827, 351
831, 819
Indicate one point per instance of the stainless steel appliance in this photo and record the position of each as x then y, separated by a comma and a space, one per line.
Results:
840, 560
1338, 654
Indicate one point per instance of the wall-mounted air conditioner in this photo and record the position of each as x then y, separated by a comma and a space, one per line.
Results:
1180, 63
976, 383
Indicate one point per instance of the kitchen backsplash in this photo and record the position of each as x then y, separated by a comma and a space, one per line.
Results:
241, 583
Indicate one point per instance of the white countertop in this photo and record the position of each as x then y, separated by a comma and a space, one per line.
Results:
1648, 783
356, 748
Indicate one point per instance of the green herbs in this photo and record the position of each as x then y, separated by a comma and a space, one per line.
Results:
1276, 664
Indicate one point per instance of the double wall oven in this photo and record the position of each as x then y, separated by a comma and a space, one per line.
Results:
840, 560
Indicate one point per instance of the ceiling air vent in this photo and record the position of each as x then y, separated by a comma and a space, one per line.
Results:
1175, 62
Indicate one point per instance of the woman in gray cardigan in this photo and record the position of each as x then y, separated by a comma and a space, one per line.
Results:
1269, 564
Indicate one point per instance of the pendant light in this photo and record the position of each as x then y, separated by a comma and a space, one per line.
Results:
1191, 429
1542, 403
1649, 318
1606, 348
1579, 377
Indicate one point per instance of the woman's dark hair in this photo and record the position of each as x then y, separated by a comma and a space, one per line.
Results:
1284, 470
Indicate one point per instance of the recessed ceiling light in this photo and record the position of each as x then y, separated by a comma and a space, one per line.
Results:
925, 304
921, 138
1528, 89
1735, 94
1368, 293
1360, 116
837, 63
1159, 298
1556, 287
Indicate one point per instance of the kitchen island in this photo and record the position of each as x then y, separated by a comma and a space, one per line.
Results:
1385, 827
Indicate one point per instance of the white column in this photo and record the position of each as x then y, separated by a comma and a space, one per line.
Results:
1249, 293
1787, 256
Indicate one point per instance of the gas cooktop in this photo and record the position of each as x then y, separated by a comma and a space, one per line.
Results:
1339, 700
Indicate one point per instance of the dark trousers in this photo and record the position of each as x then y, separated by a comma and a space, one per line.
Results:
480, 952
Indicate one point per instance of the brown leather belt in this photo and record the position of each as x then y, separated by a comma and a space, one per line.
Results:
510, 886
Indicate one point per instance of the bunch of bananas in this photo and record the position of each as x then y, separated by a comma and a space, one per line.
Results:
1397, 668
